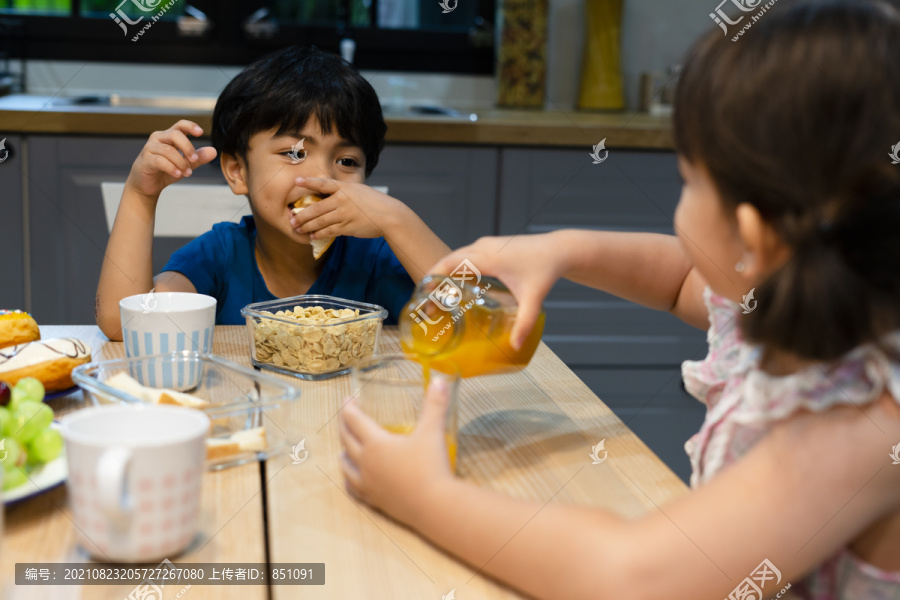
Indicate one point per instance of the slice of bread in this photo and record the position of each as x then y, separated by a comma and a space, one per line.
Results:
125, 383
248, 440
321, 245
181, 399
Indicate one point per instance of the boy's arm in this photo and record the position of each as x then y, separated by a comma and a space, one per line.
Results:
131, 272
127, 264
167, 157
413, 242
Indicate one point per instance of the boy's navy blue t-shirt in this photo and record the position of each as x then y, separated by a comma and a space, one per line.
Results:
222, 263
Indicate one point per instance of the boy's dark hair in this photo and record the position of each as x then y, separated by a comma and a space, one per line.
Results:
282, 90
797, 119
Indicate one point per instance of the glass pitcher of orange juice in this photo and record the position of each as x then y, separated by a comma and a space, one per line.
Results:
463, 322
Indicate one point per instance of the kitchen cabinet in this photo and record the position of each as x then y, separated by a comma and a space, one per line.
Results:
452, 189
653, 404
545, 190
630, 356
12, 235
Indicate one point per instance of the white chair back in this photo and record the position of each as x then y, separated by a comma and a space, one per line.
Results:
186, 210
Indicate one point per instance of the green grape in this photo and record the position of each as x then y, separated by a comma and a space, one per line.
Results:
32, 388
45, 446
10, 426
29, 420
13, 478
5, 417
17, 397
13, 452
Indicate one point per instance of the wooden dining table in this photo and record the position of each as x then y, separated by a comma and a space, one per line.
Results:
528, 435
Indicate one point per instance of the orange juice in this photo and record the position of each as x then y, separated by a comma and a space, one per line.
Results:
407, 428
462, 322
482, 347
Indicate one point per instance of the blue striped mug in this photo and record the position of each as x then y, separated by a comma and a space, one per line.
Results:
160, 323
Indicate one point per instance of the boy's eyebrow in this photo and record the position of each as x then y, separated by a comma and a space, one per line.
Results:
312, 139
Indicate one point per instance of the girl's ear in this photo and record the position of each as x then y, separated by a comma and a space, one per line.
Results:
765, 249
235, 171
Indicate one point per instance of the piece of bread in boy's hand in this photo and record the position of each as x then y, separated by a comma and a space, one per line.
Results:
318, 246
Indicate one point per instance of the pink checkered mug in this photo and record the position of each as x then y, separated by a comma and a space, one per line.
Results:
135, 475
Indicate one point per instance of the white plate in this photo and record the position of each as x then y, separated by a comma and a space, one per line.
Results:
40, 480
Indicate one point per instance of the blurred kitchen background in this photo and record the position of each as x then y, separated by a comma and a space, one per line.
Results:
654, 36
493, 109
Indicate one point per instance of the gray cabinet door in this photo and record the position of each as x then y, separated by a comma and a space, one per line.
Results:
12, 239
68, 224
545, 190
628, 355
452, 189
653, 404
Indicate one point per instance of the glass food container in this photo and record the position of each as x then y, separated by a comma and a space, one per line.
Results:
312, 343
249, 411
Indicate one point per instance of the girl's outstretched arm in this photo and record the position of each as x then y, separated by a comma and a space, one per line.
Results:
806, 490
647, 268
651, 269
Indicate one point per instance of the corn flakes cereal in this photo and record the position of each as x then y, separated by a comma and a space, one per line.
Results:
314, 349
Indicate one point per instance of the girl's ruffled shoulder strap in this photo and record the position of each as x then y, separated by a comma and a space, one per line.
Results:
704, 378
859, 377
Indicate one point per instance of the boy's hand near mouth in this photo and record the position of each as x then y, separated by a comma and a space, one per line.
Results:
353, 209
357, 210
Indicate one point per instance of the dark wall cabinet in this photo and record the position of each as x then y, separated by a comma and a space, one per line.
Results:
453, 189
12, 224
629, 356
68, 224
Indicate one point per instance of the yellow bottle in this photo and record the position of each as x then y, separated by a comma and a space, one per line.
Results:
465, 322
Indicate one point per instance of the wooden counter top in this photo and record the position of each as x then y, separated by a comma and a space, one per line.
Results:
497, 127
527, 434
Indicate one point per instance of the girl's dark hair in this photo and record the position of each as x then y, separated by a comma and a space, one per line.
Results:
797, 118
284, 89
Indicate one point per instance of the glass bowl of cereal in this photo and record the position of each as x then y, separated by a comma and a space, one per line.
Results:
314, 336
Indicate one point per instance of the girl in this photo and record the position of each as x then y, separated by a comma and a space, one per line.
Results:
788, 190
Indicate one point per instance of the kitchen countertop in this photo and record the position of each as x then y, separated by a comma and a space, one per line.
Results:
22, 113
527, 435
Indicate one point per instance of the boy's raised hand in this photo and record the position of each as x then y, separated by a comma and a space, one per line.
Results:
353, 209
528, 265
167, 157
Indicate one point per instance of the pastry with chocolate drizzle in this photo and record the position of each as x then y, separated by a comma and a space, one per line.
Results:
50, 361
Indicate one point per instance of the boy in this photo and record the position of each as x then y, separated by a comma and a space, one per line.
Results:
297, 122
